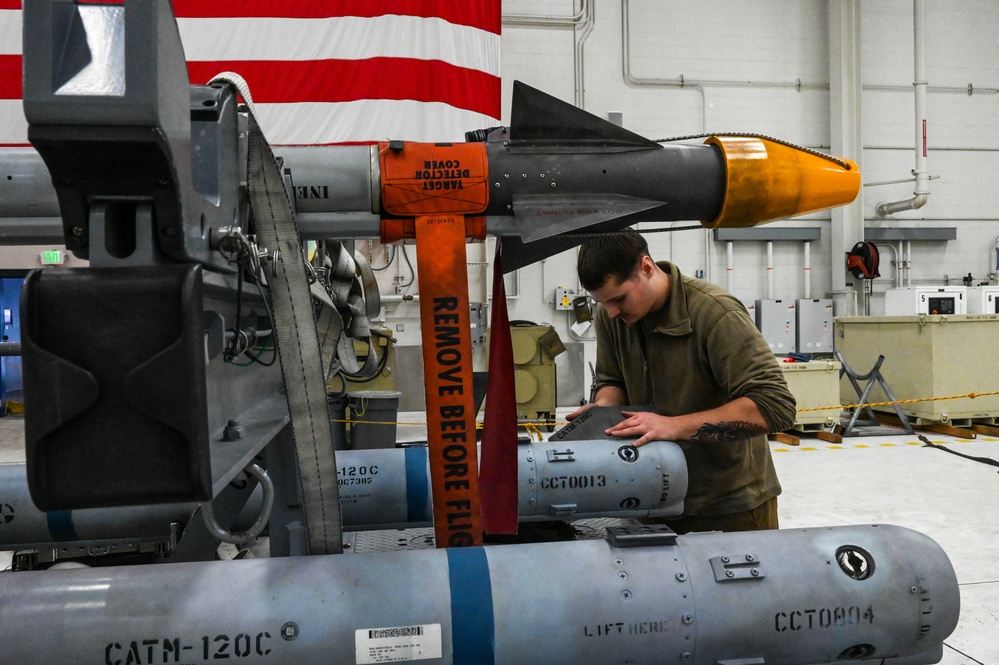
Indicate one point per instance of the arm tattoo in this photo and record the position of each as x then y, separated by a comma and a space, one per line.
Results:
730, 431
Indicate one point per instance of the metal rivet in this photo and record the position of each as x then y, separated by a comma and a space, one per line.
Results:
685, 655
913, 589
553, 185
681, 577
688, 619
531, 480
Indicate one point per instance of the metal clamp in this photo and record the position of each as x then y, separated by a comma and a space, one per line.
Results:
240, 538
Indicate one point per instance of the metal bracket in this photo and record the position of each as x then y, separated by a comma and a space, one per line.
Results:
561, 456
641, 536
562, 509
730, 568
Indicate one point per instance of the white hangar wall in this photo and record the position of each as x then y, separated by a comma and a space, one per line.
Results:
762, 66
749, 58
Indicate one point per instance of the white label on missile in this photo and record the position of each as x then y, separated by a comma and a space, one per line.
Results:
397, 644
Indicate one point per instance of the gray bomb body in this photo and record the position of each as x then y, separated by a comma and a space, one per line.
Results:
550, 603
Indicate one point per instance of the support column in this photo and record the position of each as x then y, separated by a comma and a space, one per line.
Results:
846, 139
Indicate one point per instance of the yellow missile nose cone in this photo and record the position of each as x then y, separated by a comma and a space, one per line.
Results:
767, 181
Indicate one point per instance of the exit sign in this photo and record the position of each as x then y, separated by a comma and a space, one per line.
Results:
53, 257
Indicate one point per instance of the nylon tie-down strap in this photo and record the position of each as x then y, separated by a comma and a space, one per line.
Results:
297, 339
498, 469
983, 460
447, 365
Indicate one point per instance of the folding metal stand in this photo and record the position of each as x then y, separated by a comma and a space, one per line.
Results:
870, 423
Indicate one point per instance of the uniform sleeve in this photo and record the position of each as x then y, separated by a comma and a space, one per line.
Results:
608, 369
744, 365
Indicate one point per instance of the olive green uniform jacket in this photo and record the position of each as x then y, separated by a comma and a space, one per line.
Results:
701, 351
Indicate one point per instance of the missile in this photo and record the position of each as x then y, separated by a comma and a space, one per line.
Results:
554, 172
22, 525
865, 594
390, 488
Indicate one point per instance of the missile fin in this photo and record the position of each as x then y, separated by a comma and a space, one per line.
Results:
538, 119
517, 253
540, 216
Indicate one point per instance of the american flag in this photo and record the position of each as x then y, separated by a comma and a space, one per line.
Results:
327, 71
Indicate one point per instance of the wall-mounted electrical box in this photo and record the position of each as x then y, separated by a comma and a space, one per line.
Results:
477, 313
983, 300
933, 300
814, 326
777, 321
564, 297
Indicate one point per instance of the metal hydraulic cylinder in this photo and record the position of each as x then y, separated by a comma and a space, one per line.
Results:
867, 594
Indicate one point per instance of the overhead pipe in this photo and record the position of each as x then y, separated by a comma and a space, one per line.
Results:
698, 85
583, 18
919, 197
808, 270
770, 270
908, 263
730, 264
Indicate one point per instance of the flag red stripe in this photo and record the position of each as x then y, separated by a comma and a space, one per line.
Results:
10, 76
288, 81
334, 81
482, 15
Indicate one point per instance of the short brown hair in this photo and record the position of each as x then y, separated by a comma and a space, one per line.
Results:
614, 255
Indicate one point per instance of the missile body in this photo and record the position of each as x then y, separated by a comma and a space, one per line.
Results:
391, 487
868, 594
386, 488
555, 171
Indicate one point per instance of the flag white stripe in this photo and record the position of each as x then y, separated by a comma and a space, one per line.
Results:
340, 38
367, 120
10, 32
13, 126
302, 124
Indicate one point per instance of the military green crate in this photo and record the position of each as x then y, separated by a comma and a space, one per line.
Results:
814, 384
926, 356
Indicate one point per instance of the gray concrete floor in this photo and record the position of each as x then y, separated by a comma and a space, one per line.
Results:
865, 480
